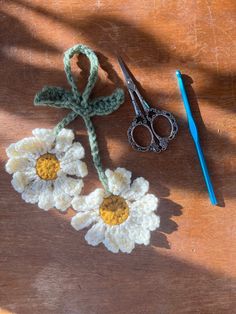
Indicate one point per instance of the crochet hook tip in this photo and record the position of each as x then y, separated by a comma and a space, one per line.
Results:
178, 73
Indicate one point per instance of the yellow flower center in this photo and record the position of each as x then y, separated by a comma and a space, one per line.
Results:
114, 210
47, 167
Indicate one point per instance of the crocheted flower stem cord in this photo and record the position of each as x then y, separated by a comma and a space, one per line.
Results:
80, 104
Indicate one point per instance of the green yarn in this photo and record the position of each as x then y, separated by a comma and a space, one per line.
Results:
80, 104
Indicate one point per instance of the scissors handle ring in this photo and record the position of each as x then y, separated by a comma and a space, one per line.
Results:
153, 113
141, 120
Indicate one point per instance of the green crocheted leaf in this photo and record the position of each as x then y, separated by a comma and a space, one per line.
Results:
106, 105
54, 96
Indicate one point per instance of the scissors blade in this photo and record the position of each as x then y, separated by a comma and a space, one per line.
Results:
129, 82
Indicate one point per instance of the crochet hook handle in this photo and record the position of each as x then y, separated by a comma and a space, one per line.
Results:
194, 133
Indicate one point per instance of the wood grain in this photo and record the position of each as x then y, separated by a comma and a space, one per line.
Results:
45, 266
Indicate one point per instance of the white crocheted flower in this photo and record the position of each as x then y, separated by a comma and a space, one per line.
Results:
42, 166
120, 219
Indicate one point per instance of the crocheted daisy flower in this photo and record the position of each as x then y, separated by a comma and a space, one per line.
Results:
122, 218
42, 166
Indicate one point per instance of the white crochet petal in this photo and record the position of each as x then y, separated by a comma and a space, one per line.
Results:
31, 147
11, 151
18, 164
20, 180
61, 198
45, 135
138, 189
83, 220
64, 140
125, 243
72, 186
110, 241
95, 198
46, 198
151, 221
32, 191
74, 153
147, 204
96, 234
89, 202
79, 203
62, 201
140, 235
31, 173
118, 180
77, 168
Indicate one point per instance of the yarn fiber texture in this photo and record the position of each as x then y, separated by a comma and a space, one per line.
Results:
80, 104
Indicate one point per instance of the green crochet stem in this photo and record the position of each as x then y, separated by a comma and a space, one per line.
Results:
80, 104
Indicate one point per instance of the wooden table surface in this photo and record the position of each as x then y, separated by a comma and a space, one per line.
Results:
45, 265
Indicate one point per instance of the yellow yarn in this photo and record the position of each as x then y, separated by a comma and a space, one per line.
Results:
114, 210
47, 167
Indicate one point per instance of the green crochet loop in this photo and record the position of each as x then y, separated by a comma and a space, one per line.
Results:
80, 104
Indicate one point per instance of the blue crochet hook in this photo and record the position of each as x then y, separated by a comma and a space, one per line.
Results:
194, 133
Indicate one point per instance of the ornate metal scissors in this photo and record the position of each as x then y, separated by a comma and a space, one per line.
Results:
146, 119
